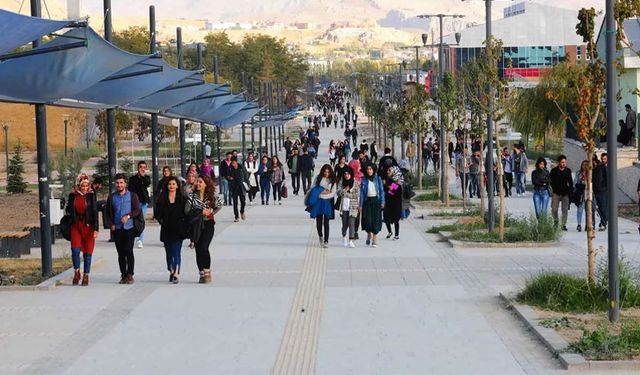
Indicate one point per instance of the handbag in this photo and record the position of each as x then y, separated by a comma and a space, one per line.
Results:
138, 225
65, 227
284, 191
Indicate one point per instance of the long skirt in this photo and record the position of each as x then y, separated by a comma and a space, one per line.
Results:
372, 216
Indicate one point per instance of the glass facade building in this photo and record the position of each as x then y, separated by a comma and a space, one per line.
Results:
527, 62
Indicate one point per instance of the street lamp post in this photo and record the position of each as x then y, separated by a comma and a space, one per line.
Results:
443, 146
66, 124
5, 128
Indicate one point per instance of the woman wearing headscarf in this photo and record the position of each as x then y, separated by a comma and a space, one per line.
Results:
206, 168
371, 204
321, 199
251, 166
393, 200
277, 179
264, 171
82, 207
357, 176
348, 192
169, 212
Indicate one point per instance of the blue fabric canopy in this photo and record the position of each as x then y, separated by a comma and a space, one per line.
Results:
211, 100
18, 30
132, 83
47, 77
243, 115
226, 110
171, 96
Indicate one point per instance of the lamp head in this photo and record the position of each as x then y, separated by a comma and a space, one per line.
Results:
425, 37
458, 37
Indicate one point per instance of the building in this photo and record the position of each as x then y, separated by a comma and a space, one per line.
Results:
534, 36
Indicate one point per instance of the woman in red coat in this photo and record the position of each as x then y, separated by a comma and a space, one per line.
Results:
83, 209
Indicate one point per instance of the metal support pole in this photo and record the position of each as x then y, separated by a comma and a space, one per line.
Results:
5, 127
442, 130
417, 67
612, 153
66, 124
215, 80
43, 165
490, 157
253, 135
183, 126
154, 117
111, 117
203, 129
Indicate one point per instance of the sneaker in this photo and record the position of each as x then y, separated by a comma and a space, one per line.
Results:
130, 279
243, 217
351, 244
267, 203
325, 245
396, 238
279, 203
564, 228
202, 279
579, 228
345, 242
140, 246
374, 244
251, 203
123, 279
389, 235
263, 203
602, 228
175, 280
236, 220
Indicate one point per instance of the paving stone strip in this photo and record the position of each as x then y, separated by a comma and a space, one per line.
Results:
297, 353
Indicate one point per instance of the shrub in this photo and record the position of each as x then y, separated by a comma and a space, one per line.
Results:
605, 344
427, 197
16, 182
569, 293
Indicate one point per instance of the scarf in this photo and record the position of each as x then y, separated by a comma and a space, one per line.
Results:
355, 167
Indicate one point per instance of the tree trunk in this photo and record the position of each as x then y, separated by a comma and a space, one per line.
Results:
590, 230
501, 184
481, 183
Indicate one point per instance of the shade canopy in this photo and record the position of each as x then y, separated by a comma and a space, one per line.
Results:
132, 83
225, 111
193, 108
62, 71
18, 30
171, 96
243, 115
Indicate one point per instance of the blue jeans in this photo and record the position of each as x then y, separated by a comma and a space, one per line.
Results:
265, 189
474, 184
520, 187
602, 199
225, 191
75, 258
540, 202
143, 208
174, 259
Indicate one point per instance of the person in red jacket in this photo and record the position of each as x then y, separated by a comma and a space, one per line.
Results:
83, 209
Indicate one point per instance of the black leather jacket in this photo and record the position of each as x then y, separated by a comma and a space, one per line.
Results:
91, 215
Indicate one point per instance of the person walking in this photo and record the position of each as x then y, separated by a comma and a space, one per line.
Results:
474, 175
463, 162
321, 201
264, 172
277, 179
123, 206
200, 208
562, 187
507, 168
411, 153
340, 167
540, 178
83, 209
223, 172
630, 125
371, 204
373, 151
348, 194
170, 213
294, 170
190, 182
162, 184
393, 201
237, 178
520, 166
600, 190
306, 169
579, 193
251, 166
206, 168
139, 184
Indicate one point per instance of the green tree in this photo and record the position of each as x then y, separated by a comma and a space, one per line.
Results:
135, 39
16, 182
124, 123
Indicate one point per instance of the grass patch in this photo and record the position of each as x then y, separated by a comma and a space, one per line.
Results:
29, 271
432, 196
517, 229
568, 293
629, 211
468, 212
609, 342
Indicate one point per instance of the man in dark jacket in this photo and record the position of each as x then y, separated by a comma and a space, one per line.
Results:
306, 169
224, 183
600, 190
139, 184
294, 169
562, 186
386, 162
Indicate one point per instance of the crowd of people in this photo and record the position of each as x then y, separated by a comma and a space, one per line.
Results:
364, 191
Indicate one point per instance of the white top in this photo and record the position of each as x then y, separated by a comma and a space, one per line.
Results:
346, 203
328, 186
371, 189
252, 169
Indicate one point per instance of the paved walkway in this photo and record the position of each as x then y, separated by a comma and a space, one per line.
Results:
281, 304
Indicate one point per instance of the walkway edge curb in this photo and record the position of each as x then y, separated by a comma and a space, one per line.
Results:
557, 345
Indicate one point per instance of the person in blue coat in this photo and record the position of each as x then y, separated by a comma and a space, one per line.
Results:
371, 204
321, 201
